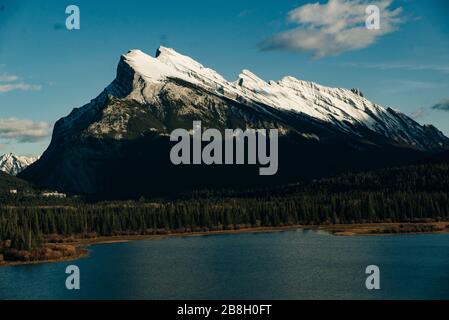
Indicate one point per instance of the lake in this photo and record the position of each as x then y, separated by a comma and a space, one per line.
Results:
297, 264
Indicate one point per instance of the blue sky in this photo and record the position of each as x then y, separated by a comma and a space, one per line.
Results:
47, 70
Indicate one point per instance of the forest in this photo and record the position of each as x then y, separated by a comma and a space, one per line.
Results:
404, 194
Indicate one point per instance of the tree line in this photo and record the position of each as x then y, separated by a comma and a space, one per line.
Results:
410, 194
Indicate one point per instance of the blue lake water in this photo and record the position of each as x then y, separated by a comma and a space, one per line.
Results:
282, 265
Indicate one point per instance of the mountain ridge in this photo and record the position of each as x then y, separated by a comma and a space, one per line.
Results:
322, 130
335, 105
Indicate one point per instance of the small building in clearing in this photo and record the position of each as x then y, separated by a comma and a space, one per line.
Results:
53, 194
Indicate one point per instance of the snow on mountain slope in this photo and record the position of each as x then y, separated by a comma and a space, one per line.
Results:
347, 110
142, 78
328, 104
13, 165
323, 130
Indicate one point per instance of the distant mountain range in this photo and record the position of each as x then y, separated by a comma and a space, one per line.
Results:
117, 145
13, 165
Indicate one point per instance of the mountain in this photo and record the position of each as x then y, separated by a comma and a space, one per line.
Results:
13, 165
118, 144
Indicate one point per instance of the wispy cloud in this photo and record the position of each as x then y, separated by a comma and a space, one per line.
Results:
9, 82
13, 129
403, 86
334, 27
400, 66
422, 112
244, 13
8, 77
419, 113
19, 86
442, 105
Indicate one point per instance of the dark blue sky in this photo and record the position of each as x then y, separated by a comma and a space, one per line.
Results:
46, 70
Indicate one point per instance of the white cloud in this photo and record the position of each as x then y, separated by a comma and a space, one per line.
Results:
8, 82
8, 77
12, 129
19, 86
334, 27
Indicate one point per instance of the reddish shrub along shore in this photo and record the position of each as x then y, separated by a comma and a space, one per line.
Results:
49, 251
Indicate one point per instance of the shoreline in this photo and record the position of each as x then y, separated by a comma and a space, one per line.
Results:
81, 253
346, 230
129, 238
387, 228
82, 244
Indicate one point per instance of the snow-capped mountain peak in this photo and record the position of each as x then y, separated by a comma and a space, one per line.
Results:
249, 80
324, 103
346, 109
141, 77
149, 67
323, 129
13, 165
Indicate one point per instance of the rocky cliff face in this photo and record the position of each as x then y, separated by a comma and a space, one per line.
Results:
118, 143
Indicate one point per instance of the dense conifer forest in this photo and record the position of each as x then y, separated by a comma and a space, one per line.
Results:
407, 194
